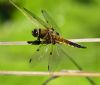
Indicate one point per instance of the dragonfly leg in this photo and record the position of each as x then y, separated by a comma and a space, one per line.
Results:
29, 42
38, 39
36, 42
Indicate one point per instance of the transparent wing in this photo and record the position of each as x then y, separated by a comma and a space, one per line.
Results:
40, 58
59, 60
51, 56
72, 62
50, 21
31, 16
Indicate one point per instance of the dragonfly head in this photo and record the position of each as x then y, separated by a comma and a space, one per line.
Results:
35, 32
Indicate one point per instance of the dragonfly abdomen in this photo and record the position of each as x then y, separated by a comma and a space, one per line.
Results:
64, 41
74, 44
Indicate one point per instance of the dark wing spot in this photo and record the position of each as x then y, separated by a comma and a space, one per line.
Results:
52, 29
48, 68
42, 11
47, 21
37, 50
30, 60
50, 53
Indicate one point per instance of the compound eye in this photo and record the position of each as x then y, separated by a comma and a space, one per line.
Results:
35, 32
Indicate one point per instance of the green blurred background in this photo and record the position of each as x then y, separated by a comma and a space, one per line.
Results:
76, 19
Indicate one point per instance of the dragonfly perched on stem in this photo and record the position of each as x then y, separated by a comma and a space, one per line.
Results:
49, 40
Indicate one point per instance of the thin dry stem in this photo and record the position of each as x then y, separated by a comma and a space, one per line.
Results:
14, 43
73, 40
86, 40
64, 73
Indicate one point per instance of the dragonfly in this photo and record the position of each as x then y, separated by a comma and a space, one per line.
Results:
48, 39
50, 42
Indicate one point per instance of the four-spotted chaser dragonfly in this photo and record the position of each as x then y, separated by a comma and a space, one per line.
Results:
48, 39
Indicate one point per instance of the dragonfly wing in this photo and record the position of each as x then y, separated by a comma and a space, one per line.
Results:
58, 60
39, 58
31, 16
50, 21
75, 64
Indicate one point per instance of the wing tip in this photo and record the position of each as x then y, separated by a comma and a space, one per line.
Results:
30, 60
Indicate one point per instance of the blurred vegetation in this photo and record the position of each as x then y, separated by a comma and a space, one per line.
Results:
76, 18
